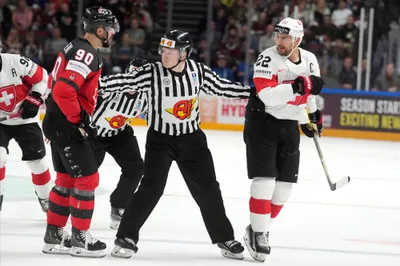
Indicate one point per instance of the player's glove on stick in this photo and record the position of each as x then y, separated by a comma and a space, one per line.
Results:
31, 104
316, 120
305, 85
85, 130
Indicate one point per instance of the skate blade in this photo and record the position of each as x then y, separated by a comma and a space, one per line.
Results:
55, 249
81, 252
230, 255
124, 253
114, 224
255, 255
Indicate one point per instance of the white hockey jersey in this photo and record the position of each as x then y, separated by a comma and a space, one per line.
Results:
273, 75
18, 77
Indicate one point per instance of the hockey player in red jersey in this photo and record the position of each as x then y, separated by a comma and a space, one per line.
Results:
68, 126
22, 85
286, 78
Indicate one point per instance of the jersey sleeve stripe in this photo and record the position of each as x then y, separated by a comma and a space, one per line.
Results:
70, 83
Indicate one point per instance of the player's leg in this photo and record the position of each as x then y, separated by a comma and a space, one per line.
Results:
4, 141
197, 167
57, 241
261, 136
125, 151
30, 139
80, 163
158, 160
288, 167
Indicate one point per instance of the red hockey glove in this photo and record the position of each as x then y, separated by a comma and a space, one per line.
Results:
308, 85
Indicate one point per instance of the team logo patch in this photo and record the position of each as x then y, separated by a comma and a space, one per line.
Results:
182, 109
118, 121
8, 98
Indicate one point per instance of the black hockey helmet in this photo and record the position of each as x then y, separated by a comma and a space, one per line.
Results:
177, 39
97, 16
134, 64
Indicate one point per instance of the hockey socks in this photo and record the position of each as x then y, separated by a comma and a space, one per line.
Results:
261, 191
282, 192
81, 207
40, 177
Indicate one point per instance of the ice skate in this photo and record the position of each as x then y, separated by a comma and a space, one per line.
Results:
124, 248
116, 216
84, 245
231, 249
257, 244
56, 240
44, 203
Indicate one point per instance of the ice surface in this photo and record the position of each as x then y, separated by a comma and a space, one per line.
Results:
356, 225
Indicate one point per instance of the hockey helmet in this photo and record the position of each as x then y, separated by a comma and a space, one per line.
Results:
98, 16
177, 39
292, 27
134, 64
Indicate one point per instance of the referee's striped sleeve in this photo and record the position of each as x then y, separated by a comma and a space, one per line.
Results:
215, 85
137, 81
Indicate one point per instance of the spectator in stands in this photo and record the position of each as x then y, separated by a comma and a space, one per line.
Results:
242, 66
340, 15
215, 38
222, 69
68, 28
320, 11
52, 47
32, 49
231, 23
136, 34
13, 44
267, 39
22, 16
388, 81
258, 27
49, 16
5, 18
125, 51
349, 34
348, 76
231, 45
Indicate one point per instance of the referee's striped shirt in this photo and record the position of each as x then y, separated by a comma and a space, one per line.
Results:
173, 98
115, 111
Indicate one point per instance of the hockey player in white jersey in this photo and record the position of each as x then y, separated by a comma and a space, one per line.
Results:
22, 84
286, 78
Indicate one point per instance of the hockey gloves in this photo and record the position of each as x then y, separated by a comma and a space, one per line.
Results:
305, 85
85, 130
31, 104
316, 126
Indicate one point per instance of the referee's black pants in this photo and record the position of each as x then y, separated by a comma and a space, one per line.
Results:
196, 165
124, 148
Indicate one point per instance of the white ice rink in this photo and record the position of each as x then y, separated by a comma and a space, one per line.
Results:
358, 225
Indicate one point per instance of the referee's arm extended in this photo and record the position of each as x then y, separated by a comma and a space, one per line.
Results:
215, 85
137, 81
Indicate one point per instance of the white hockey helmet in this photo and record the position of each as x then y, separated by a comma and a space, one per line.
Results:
292, 27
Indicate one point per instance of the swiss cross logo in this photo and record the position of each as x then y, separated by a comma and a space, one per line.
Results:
8, 98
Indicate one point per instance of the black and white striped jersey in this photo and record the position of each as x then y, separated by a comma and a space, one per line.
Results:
115, 111
173, 98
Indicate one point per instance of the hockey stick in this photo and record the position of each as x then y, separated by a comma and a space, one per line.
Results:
342, 181
4, 118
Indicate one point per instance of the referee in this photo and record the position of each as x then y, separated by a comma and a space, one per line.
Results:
173, 87
112, 117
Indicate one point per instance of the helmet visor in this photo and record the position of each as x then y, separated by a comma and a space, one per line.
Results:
113, 27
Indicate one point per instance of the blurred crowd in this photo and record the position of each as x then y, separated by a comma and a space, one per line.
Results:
331, 32
39, 29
